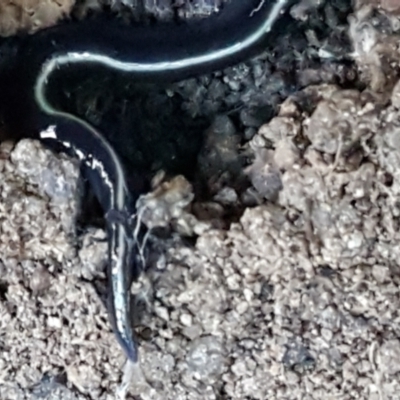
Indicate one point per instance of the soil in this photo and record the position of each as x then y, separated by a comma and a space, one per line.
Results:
272, 268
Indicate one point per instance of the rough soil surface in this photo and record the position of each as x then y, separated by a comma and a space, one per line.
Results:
31, 15
290, 289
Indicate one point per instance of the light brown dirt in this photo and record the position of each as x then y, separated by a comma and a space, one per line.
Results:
297, 300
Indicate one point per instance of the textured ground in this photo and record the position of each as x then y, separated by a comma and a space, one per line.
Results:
295, 298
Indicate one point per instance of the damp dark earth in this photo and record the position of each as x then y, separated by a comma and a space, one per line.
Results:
272, 197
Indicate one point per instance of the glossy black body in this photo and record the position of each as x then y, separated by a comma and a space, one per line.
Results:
23, 116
